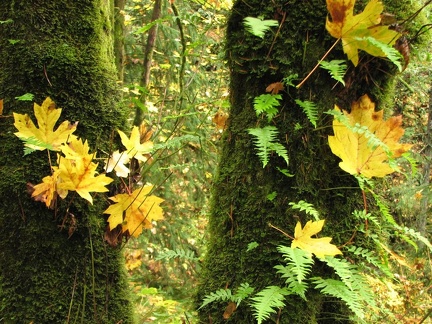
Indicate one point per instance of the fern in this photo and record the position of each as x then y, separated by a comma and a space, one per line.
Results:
267, 300
299, 266
310, 109
243, 292
370, 257
178, 253
339, 290
288, 81
389, 51
306, 207
342, 268
267, 104
417, 236
336, 68
265, 143
258, 27
218, 295
32, 144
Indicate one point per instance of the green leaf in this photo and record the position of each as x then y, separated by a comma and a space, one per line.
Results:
265, 143
310, 109
267, 104
267, 301
390, 52
258, 27
251, 246
288, 81
219, 295
336, 68
306, 207
25, 97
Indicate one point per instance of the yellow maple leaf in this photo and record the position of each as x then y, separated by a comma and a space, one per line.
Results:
139, 209
355, 29
46, 116
318, 246
136, 149
78, 173
47, 190
358, 156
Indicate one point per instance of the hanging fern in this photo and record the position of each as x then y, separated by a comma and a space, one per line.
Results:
336, 68
243, 292
265, 142
339, 290
267, 301
310, 109
389, 51
258, 27
306, 207
342, 268
267, 104
370, 258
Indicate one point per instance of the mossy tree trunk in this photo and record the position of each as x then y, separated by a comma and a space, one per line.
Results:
240, 211
54, 264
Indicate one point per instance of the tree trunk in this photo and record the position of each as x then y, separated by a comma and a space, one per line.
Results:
55, 265
119, 35
240, 211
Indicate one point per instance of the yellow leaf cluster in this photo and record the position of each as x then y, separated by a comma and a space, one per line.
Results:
138, 208
355, 29
75, 172
318, 246
46, 116
358, 157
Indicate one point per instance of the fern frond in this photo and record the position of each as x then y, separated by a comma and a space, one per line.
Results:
306, 207
32, 144
267, 104
362, 215
389, 51
258, 27
267, 301
370, 258
243, 292
293, 285
310, 109
300, 261
339, 290
265, 142
336, 68
178, 253
343, 269
417, 236
218, 295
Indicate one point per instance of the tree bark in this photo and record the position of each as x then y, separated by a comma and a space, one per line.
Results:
55, 266
240, 211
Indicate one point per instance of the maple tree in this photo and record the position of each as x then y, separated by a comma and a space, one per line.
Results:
318, 246
355, 30
352, 139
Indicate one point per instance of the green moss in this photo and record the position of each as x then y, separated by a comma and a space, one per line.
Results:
55, 265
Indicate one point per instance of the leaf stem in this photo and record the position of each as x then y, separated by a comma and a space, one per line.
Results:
278, 229
317, 65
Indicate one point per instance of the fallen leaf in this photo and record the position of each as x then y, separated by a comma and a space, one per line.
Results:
351, 143
355, 29
46, 116
220, 119
117, 163
318, 246
275, 87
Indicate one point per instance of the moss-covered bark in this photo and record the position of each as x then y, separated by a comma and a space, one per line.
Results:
240, 211
62, 49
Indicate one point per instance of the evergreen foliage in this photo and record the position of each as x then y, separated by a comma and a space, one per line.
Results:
267, 301
310, 109
265, 143
258, 27
308, 208
267, 104
336, 68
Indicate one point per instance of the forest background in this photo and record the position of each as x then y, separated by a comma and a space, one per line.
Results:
184, 102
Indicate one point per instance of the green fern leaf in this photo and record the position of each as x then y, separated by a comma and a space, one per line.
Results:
178, 253
265, 143
218, 295
310, 109
267, 301
370, 258
339, 290
336, 68
267, 104
343, 269
243, 292
258, 27
306, 207
32, 144
389, 51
